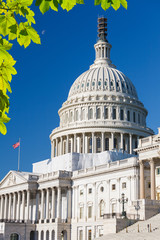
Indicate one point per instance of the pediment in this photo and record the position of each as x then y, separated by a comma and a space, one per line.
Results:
11, 179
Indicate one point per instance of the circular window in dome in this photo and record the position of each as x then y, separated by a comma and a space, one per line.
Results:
93, 83
102, 189
99, 83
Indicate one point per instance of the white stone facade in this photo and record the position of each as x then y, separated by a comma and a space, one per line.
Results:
71, 195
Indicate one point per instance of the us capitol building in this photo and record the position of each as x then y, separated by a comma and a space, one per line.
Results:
104, 161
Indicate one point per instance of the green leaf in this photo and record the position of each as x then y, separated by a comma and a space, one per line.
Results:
80, 1
33, 34
54, 5
115, 4
44, 6
124, 3
3, 128
5, 22
68, 4
38, 2
105, 5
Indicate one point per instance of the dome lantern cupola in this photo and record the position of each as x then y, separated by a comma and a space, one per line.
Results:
102, 47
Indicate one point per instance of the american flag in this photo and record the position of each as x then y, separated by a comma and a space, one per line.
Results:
16, 145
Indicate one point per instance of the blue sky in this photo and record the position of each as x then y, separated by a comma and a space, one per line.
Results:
47, 71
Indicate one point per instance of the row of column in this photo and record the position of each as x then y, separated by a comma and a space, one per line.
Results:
80, 143
10, 206
152, 179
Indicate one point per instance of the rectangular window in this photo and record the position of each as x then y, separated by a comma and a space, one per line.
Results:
158, 171
90, 190
124, 185
81, 212
134, 117
114, 113
89, 211
149, 185
81, 235
106, 144
122, 115
81, 192
113, 186
106, 113
90, 234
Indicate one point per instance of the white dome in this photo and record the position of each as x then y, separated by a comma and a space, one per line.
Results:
102, 78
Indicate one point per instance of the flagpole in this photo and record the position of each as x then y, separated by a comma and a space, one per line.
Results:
19, 155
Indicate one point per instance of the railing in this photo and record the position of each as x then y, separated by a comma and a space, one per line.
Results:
118, 215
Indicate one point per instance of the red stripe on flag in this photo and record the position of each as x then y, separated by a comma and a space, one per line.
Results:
16, 145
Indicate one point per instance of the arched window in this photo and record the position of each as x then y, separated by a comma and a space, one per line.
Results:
114, 113
122, 114
14, 236
128, 115
90, 115
90, 145
53, 235
77, 117
115, 143
98, 113
106, 113
134, 117
32, 235
47, 235
98, 145
106, 144
71, 116
101, 208
83, 114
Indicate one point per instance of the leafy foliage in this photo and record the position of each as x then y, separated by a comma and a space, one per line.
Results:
16, 20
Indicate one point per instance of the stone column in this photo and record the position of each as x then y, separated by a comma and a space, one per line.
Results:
28, 204
14, 206
73, 201
9, 207
75, 143
5, 206
18, 207
129, 187
108, 194
112, 141
102, 142
52, 149
153, 183
53, 203
130, 141
61, 146
23, 205
37, 206
67, 143
42, 204
72, 144
56, 147
142, 187
47, 204
69, 203
118, 193
59, 203
2, 207
93, 150
122, 147
83, 147
94, 201
137, 141
85, 202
